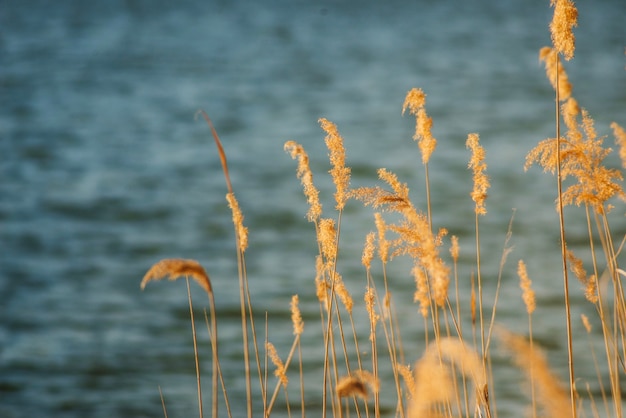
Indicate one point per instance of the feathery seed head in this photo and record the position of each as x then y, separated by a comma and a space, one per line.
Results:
564, 19
528, 294
281, 371
339, 172
478, 166
454, 249
327, 238
415, 101
175, 268
242, 231
296, 316
306, 177
370, 301
620, 140
368, 250
554, 71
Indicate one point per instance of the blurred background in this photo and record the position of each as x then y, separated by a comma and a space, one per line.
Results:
104, 170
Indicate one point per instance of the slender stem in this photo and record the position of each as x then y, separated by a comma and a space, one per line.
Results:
480, 293
430, 219
570, 349
195, 348
162, 402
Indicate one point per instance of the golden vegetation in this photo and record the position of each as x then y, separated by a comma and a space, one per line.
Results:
454, 377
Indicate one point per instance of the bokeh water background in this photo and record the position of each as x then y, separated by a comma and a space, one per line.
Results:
104, 171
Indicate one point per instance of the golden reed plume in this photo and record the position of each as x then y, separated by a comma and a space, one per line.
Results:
358, 384
415, 101
565, 18
478, 166
178, 267
306, 177
339, 172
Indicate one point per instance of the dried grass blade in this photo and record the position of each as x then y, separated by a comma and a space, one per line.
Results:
220, 149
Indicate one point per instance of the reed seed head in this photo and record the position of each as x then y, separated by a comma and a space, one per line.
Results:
352, 386
358, 384
564, 19
296, 316
586, 323
478, 166
422, 294
454, 248
581, 157
528, 294
321, 285
327, 239
620, 140
305, 175
409, 380
554, 71
370, 302
342, 292
174, 268
383, 243
368, 250
339, 172
280, 372
242, 231
415, 101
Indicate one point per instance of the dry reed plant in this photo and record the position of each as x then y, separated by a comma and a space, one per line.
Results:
366, 368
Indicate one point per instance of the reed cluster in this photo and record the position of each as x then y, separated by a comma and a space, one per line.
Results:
454, 377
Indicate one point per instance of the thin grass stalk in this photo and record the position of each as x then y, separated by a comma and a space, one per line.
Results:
610, 335
358, 355
265, 367
457, 321
596, 367
608, 344
399, 342
457, 327
480, 291
506, 250
568, 315
217, 362
619, 302
390, 337
244, 329
533, 399
345, 348
329, 339
301, 371
253, 327
328, 342
375, 366
594, 408
162, 402
473, 307
391, 343
195, 348
428, 206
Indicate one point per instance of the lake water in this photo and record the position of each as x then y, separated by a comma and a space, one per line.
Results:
105, 171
